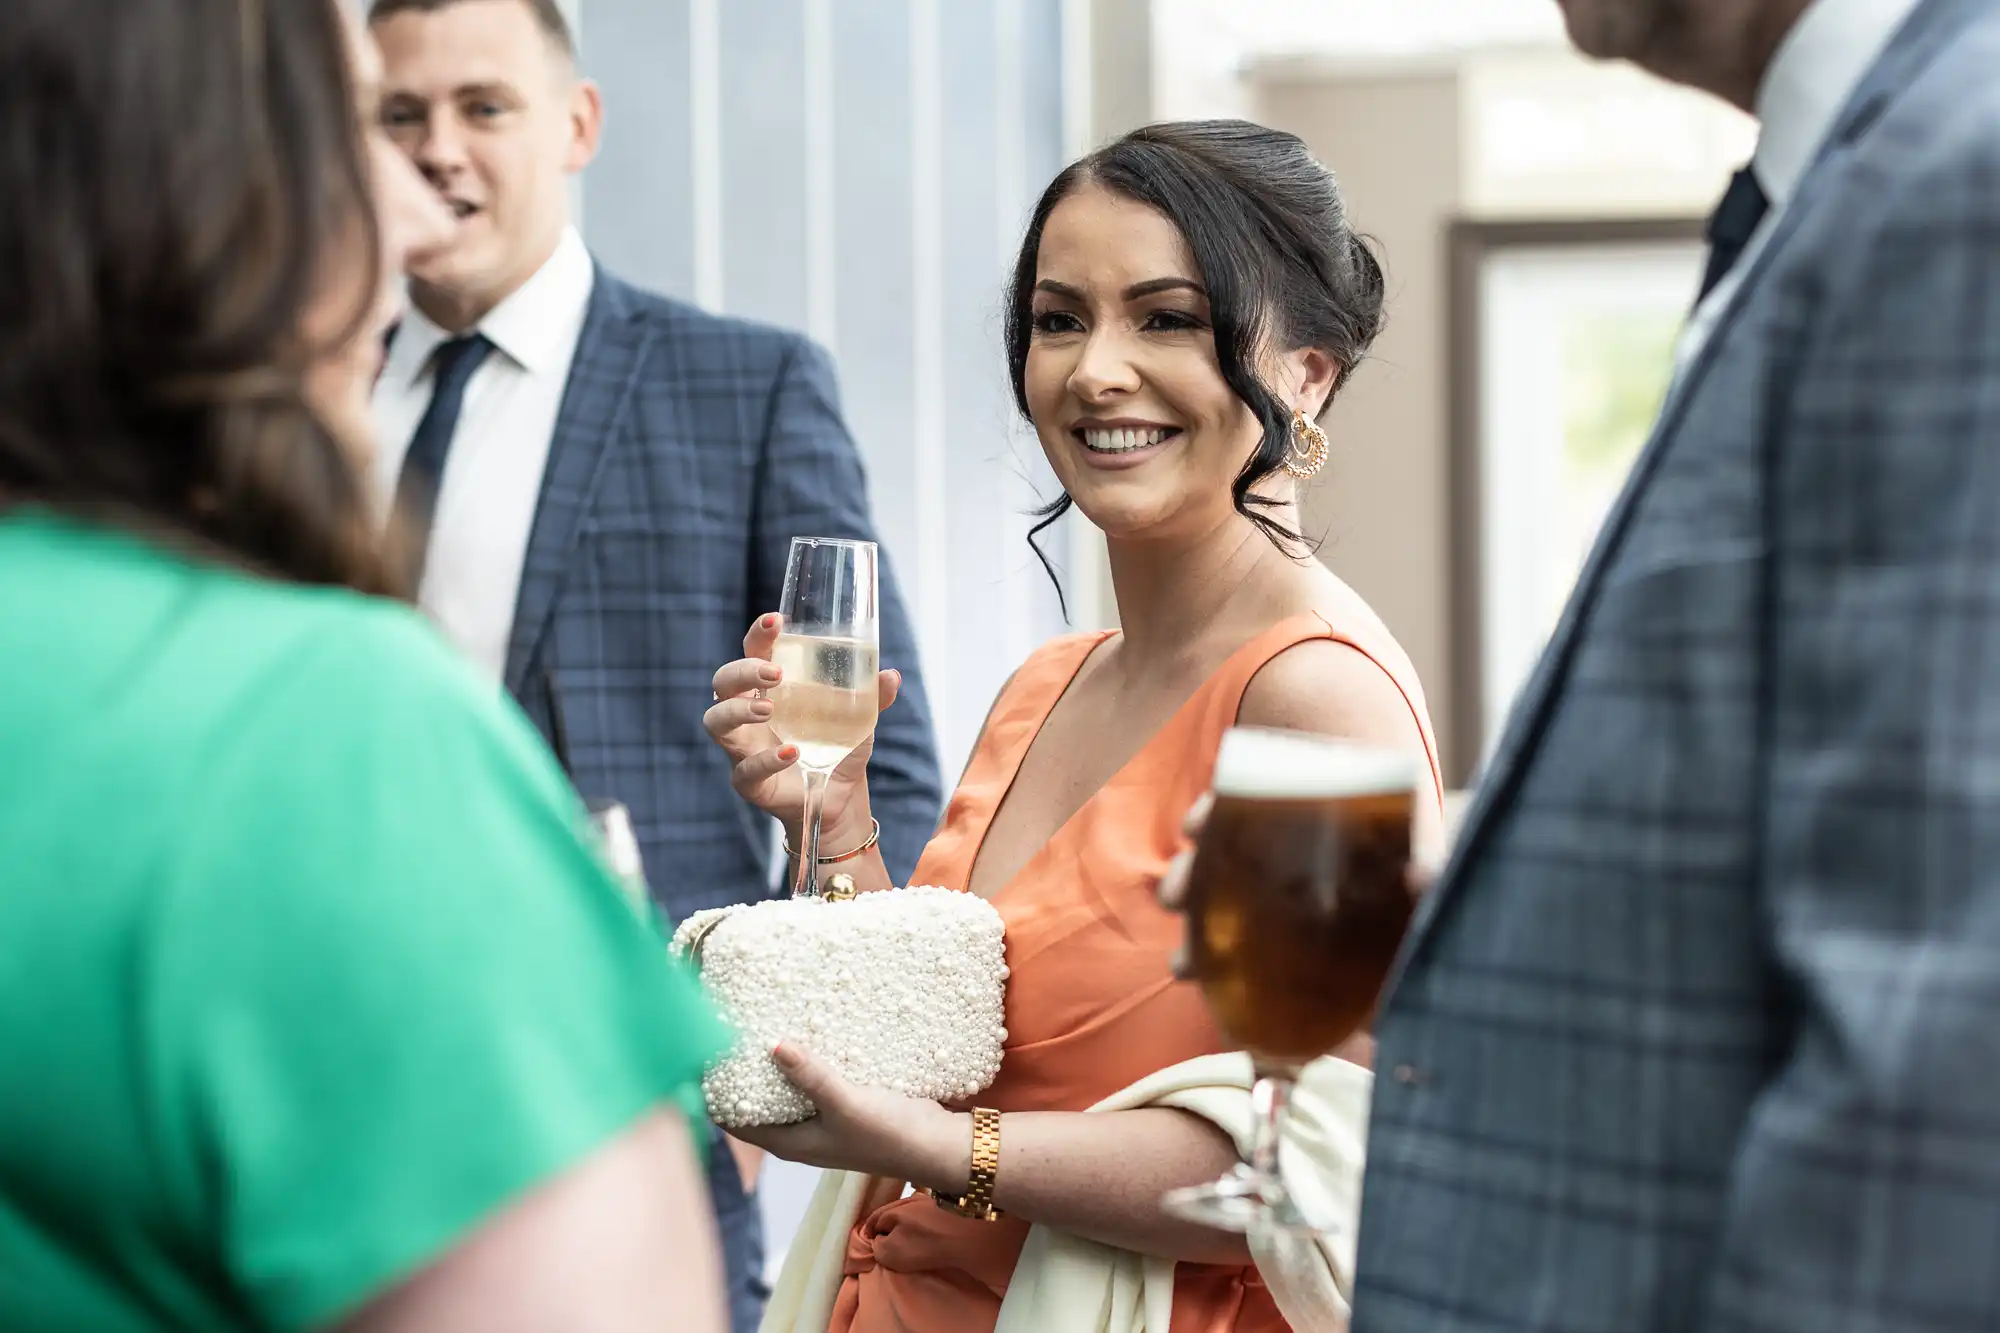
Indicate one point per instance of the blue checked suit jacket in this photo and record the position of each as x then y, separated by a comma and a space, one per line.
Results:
1700, 1030
690, 449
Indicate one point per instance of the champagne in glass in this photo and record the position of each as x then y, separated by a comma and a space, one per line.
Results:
1297, 903
826, 703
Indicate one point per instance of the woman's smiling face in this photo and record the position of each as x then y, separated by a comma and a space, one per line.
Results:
1121, 376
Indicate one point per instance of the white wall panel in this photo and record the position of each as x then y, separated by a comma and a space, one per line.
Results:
861, 169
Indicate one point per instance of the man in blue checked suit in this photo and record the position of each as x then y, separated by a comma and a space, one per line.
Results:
1700, 1028
605, 483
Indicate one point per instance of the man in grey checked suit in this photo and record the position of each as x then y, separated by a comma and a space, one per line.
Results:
616, 480
1700, 1029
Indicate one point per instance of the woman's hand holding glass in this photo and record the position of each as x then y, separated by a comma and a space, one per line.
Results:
764, 769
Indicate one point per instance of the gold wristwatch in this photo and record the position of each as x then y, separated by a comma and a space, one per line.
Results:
977, 1201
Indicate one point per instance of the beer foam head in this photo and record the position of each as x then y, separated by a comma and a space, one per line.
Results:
1259, 764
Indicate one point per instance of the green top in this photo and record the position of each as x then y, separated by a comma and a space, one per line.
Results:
306, 964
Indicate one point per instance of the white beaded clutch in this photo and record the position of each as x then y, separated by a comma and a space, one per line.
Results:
902, 990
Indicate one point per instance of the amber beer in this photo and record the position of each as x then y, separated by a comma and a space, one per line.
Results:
1299, 896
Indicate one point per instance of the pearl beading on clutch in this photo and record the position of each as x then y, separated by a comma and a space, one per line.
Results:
901, 990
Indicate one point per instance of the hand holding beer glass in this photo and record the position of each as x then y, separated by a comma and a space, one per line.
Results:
1297, 900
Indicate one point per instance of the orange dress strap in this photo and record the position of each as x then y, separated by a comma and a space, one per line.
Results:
1227, 686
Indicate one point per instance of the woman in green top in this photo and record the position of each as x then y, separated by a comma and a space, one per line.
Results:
316, 1008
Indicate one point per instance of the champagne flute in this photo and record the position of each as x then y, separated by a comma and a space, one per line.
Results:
620, 848
827, 648
1297, 903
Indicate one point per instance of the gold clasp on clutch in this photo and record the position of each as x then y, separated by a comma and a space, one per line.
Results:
837, 889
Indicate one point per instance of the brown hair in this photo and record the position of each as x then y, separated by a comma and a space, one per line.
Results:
548, 16
177, 180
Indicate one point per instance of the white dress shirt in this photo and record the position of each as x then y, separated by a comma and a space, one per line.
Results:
493, 473
1816, 69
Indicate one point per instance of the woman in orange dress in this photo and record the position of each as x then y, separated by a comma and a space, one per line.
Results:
1186, 303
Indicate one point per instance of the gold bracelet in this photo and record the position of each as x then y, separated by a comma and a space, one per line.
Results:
977, 1201
874, 836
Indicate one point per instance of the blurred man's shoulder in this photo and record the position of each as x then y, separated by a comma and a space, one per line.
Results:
1941, 149
1958, 95
690, 330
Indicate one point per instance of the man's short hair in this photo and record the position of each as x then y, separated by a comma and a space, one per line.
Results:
548, 15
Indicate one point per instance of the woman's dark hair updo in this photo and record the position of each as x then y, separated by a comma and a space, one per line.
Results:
1269, 233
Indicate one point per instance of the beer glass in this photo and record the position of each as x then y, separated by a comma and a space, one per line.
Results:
1297, 901
827, 649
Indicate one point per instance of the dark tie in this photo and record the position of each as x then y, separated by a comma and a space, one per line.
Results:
423, 466
1731, 226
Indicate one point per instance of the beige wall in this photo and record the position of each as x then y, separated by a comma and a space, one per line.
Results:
1121, 67
1394, 144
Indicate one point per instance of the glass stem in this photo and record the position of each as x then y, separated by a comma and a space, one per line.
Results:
807, 883
1269, 1097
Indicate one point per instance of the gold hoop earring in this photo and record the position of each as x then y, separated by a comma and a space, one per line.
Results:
1308, 449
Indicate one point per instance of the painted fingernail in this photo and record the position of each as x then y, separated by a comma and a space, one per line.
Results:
769, 674
769, 622
788, 753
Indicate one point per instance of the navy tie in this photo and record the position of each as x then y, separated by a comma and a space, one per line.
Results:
1731, 226
423, 466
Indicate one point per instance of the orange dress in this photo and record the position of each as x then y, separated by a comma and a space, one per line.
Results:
1092, 1005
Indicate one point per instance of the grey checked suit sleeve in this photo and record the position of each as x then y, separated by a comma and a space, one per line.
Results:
810, 484
1865, 1195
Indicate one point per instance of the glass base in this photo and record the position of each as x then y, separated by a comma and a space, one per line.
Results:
1243, 1202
